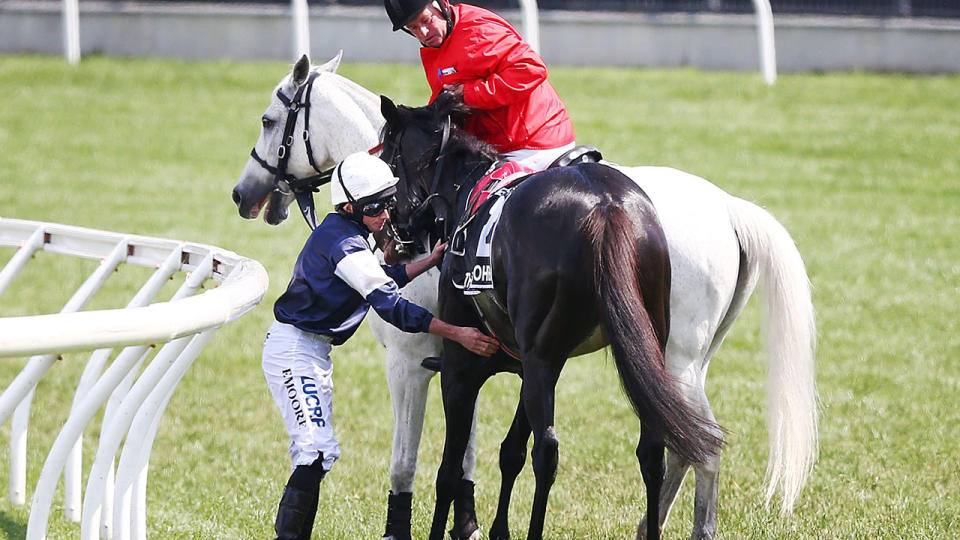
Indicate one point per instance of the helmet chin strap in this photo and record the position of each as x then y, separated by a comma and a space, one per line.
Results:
354, 214
448, 15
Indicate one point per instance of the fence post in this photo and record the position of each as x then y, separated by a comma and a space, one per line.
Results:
768, 53
71, 31
301, 28
531, 23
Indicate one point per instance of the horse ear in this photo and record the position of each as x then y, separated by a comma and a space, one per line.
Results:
333, 63
300, 70
389, 110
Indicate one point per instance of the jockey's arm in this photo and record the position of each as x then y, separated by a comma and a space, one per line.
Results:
514, 73
416, 268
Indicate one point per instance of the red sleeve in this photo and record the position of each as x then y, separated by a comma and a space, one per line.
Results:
514, 69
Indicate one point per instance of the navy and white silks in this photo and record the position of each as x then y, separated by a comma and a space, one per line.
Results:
336, 279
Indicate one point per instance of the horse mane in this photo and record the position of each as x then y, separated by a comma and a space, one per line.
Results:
461, 143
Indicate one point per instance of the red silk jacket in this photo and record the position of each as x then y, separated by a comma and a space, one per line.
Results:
503, 79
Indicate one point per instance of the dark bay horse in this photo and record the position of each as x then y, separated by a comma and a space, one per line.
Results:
578, 261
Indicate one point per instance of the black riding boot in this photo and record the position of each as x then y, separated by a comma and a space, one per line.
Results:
311, 516
398, 516
298, 506
295, 515
464, 512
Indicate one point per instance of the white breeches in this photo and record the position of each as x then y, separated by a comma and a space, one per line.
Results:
299, 373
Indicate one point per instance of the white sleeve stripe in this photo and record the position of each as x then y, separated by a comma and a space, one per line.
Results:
361, 271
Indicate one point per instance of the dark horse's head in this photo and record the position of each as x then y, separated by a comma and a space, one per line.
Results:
433, 158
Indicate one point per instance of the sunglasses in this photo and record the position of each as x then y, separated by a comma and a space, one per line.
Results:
376, 208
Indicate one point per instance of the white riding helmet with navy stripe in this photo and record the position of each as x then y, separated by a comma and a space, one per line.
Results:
361, 178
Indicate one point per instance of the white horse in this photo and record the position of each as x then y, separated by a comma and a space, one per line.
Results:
719, 247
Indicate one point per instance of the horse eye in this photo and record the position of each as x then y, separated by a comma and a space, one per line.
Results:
267, 122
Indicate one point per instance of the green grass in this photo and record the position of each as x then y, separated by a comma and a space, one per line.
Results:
863, 169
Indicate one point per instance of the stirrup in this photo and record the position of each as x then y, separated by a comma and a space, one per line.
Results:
432, 363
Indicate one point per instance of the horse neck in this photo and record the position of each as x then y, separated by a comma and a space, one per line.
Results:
368, 102
468, 172
347, 118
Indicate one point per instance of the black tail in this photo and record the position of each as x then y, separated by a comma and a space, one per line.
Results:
653, 392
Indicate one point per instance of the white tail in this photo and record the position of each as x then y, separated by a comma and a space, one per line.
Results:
791, 339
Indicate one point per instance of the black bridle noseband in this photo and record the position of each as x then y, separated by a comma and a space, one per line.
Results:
285, 183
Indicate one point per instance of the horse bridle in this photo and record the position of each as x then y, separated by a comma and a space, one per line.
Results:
442, 207
284, 182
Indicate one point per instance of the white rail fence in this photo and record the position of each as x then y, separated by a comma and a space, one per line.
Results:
529, 12
172, 332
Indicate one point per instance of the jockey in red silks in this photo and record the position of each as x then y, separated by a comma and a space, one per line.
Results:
476, 53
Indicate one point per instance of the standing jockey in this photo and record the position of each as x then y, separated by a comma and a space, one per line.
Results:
335, 281
476, 54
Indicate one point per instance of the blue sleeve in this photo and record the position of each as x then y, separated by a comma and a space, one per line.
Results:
360, 270
397, 272
403, 314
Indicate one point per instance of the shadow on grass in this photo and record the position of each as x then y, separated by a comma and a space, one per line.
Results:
12, 527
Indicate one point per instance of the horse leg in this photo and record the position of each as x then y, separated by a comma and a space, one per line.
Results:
676, 467
707, 489
459, 403
513, 454
688, 354
408, 384
650, 453
538, 395
707, 484
707, 474
676, 471
464, 507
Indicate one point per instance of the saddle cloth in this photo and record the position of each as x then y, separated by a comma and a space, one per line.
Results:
473, 236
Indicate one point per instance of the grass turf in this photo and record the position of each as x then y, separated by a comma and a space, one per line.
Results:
862, 169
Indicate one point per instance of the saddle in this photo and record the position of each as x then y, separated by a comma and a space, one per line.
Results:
473, 236
472, 240
578, 154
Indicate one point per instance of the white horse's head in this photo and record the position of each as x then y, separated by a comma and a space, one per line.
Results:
315, 119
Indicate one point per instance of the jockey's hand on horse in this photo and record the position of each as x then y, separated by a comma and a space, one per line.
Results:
420, 266
470, 338
477, 342
390, 253
436, 256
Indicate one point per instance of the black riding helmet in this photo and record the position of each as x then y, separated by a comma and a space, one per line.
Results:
402, 12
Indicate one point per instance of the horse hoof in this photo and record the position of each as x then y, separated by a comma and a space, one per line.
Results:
499, 536
475, 535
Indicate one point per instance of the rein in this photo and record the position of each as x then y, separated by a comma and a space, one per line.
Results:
284, 182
